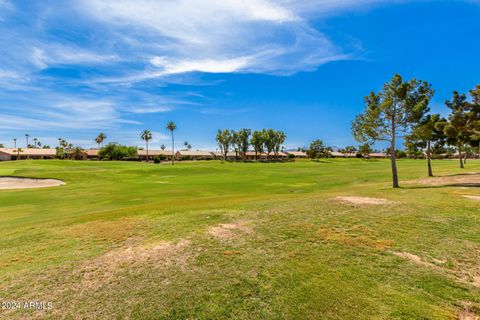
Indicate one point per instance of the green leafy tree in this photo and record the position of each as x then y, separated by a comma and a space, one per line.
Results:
474, 118
280, 138
224, 140
317, 150
365, 149
424, 134
391, 112
60, 153
258, 141
270, 141
114, 151
456, 129
243, 142
234, 142
171, 126
146, 136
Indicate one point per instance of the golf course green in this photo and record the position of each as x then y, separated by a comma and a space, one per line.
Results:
205, 240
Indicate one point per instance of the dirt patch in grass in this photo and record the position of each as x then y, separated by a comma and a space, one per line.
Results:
470, 277
468, 179
102, 269
472, 197
227, 231
7, 183
415, 259
363, 200
466, 313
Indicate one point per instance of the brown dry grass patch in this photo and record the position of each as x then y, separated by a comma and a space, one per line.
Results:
346, 238
470, 277
464, 179
226, 231
363, 200
477, 198
102, 269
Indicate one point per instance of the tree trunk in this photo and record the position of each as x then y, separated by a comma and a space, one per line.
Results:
430, 173
393, 161
146, 144
173, 149
479, 148
460, 156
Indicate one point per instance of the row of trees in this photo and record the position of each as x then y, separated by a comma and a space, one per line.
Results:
36, 143
401, 109
267, 141
147, 135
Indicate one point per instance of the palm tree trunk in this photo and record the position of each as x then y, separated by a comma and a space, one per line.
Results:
146, 144
430, 173
173, 149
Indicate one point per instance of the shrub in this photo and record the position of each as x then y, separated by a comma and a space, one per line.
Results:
114, 151
157, 160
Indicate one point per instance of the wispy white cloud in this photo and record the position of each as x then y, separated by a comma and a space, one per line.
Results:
213, 36
60, 54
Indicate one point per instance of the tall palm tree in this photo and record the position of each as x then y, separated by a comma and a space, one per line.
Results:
35, 142
59, 142
146, 136
15, 143
172, 126
100, 138
26, 137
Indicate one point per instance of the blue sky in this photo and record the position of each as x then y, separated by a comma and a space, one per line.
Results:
74, 68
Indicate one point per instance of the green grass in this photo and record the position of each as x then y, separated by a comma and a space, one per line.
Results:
295, 252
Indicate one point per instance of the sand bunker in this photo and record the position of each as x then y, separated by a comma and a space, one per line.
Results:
364, 200
27, 183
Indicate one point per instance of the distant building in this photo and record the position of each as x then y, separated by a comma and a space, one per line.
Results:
378, 155
27, 153
230, 155
152, 154
297, 154
194, 155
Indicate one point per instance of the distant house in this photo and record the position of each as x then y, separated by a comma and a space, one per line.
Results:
230, 155
263, 156
152, 154
337, 154
194, 155
92, 153
378, 155
27, 153
297, 154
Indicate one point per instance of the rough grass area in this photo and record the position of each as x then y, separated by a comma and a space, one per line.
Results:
202, 240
